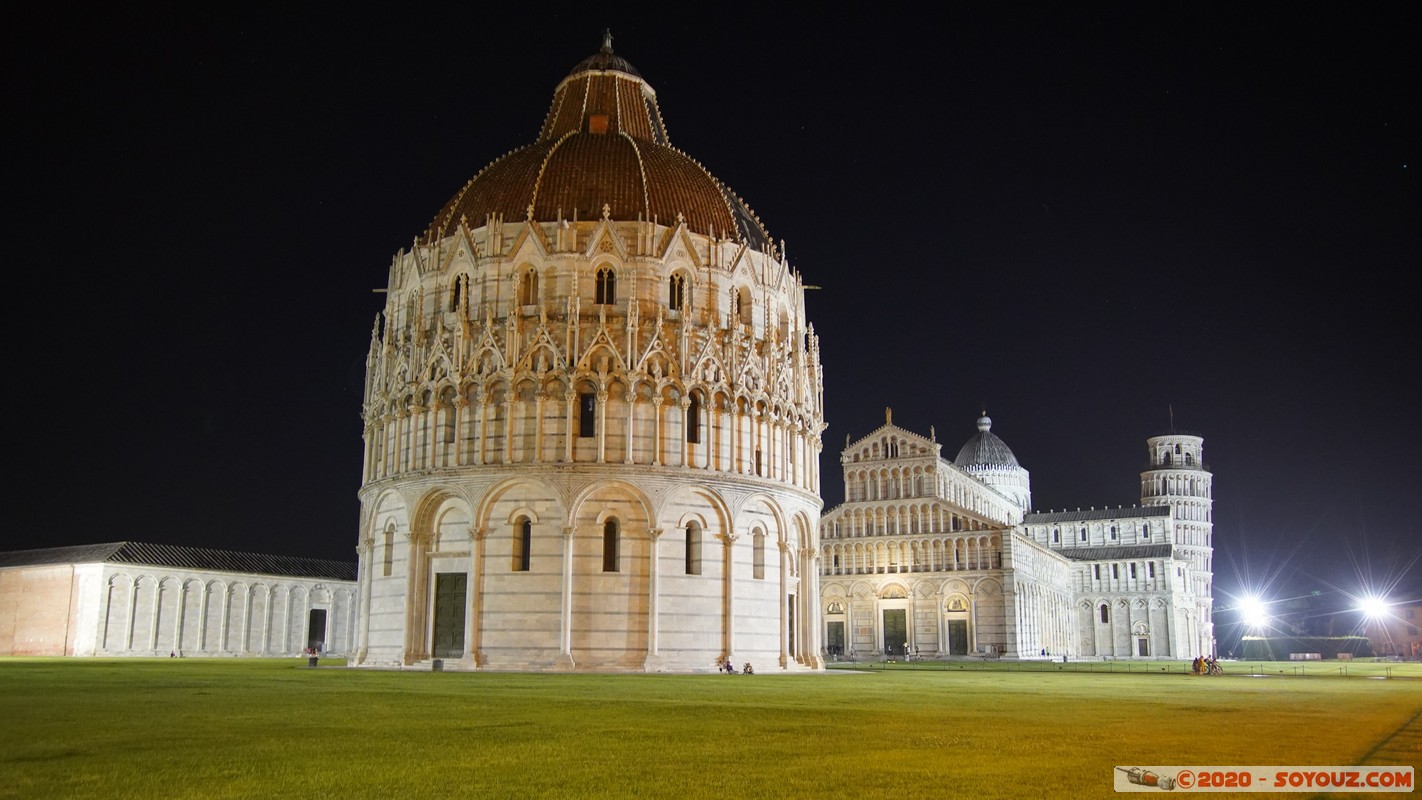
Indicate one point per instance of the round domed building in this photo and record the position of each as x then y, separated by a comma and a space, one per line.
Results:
593, 410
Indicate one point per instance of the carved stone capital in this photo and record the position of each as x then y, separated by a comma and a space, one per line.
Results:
655, 533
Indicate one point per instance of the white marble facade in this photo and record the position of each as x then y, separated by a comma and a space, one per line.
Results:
90, 601
592, 419
943, 560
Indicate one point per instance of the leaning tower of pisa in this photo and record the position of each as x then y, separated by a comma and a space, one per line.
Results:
1176, 476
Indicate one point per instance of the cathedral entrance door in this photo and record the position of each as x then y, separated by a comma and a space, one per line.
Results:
1142, 646
895, 631
449, 614
957, 637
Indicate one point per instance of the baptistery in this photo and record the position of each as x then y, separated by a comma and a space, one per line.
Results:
592, 415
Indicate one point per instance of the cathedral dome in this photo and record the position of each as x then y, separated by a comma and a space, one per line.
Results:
603, 146
985, 449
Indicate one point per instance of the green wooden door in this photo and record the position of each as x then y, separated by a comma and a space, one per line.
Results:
958, 637
449, 614
895, 631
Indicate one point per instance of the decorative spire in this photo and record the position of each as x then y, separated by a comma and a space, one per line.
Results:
607, 40
888, 416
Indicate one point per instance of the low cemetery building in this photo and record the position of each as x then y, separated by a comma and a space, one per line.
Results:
131, 598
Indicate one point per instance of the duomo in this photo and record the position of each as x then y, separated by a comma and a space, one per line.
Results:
593, 418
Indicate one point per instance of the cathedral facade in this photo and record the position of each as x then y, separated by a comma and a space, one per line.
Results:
592, 414
940, 559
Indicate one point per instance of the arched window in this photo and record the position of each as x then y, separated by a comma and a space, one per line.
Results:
587, 415
1113, 531
693, 549
1105, 613
693, 419
446, 399
522, 544
741, 304
1083, 534
1056, 535
606, 293
528, 288
677, 296
1145, 531
609, 546
758, 562
389, 547
456, 289
1189, 459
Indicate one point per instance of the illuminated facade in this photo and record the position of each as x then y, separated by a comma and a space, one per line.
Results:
1395, 632
139, 599
592, 415
943, 559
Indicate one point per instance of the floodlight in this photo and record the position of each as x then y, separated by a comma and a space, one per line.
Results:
1373, 607
1253, 613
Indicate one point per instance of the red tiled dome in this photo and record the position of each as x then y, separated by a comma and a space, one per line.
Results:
603, 143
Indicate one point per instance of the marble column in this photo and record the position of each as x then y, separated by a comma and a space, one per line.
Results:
565, 631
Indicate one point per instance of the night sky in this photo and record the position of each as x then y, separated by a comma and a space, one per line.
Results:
1076, 219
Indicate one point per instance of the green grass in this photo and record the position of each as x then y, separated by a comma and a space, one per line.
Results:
1362, 668
226, 728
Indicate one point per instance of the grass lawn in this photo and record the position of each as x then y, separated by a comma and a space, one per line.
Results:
255, 728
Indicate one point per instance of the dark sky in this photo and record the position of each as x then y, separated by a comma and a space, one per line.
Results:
1077, 219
